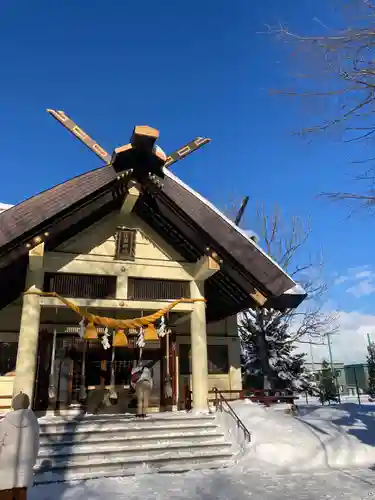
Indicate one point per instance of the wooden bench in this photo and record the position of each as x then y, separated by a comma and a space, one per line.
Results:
267, 396
264, 396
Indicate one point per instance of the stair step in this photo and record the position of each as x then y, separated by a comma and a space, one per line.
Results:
136, 426
186, 466
137, 439
171, 459
84, 453
96, 419
92, 446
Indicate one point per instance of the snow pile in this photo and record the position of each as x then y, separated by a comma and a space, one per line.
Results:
216, 485
277, 465
340, 436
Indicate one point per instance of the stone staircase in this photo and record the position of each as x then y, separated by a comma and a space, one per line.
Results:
119, 445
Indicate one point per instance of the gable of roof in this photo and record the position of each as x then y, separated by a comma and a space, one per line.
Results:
197, 224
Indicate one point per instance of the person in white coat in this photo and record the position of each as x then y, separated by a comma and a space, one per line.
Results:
142, 383
19, 448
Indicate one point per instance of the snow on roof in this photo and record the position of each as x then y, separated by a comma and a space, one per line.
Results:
4, 206
297, 289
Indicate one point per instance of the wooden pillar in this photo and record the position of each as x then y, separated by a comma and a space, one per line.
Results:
29, 331
173, 370
199, 363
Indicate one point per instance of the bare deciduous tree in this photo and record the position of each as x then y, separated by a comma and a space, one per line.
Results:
267, 333
341, 72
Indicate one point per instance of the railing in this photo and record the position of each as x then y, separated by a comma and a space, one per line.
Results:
268, 396
220, 402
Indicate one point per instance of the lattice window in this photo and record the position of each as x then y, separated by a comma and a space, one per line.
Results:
154, 289
84, 286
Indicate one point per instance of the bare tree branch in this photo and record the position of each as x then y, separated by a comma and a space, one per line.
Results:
344, 79
286, 242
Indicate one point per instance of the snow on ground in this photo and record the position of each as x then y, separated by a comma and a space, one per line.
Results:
319, 437
325, 452
227, 484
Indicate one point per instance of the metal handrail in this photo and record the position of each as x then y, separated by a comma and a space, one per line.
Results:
219, 401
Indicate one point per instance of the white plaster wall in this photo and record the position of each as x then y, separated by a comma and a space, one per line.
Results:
232, 381
93, 252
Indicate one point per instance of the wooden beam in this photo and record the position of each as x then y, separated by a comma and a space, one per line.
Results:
144, 137
80, 134
190, 147
258, 297
36, 256
205, 268
141, 154
131, 198
241, 211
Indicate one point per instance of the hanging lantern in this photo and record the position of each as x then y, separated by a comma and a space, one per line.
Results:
120, 339
90, 332
150, 333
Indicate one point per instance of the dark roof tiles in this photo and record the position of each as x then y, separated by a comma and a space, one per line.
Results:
32, 212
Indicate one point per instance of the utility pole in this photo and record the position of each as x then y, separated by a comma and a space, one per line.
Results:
241, 211
331, 363
369, 340
312, 358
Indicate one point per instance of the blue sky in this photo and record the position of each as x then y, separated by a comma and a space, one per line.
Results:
201, 68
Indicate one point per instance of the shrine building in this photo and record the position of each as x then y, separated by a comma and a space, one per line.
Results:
124, 241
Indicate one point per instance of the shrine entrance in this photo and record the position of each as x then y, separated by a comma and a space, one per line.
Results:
83, 374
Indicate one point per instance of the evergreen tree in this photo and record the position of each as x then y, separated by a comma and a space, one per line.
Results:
327, 386
269, 353
269, 336
371, 370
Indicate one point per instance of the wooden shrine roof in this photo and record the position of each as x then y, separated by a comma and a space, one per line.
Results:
181, 216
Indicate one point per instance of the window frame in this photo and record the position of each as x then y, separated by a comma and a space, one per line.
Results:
212, 369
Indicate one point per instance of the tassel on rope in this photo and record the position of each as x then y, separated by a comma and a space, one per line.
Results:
162, 328
120, 339
105, 340
116, 323
141, 338
81, 330
150, 333
90, 332
140, 343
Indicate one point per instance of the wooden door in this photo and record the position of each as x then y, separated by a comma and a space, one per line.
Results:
43, 371
168, 403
